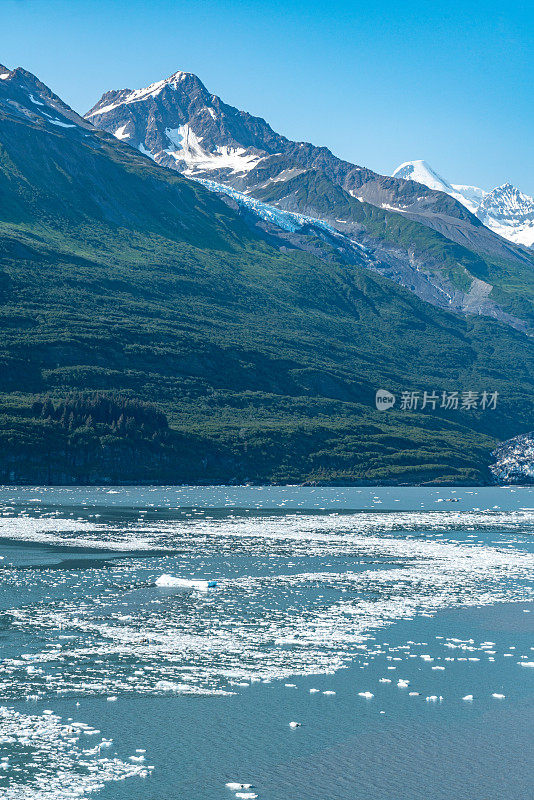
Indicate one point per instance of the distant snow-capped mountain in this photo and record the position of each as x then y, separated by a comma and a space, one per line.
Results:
423, 173
181, 125
505, 209
510, 213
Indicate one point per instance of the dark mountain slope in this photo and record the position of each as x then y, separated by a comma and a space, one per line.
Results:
124, 286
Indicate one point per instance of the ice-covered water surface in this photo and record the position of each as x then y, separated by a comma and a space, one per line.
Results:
297, 593
45, 759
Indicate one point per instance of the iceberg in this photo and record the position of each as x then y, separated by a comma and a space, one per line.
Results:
169, 581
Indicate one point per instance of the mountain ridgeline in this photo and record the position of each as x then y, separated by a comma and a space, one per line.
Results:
157, 330
423, 237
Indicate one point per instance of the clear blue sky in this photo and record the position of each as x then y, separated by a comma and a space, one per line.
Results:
377, 82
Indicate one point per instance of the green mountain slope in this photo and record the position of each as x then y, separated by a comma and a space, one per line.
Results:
126, 291
512, 279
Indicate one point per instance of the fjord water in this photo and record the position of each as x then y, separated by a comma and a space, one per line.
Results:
399, 603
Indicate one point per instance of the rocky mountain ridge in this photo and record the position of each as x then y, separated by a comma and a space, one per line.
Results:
179, 124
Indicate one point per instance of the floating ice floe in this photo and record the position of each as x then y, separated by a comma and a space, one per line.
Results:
498, 696
50, 763
329, 692
367, 695
168, 581
295, 724
468, 698
237, 787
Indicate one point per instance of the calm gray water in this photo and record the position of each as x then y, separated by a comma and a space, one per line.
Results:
394, 625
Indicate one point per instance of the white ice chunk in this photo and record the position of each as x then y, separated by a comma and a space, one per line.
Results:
236, 787
169, 581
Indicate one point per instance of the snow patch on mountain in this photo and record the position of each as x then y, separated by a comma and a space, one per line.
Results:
60, 124
175, 137
34, 101
286, 175
188, 148
120, 133
142, 149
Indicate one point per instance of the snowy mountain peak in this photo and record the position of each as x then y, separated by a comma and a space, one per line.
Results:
510, 193
184, 77
179, 124
506, 210
422, 172
183, 82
